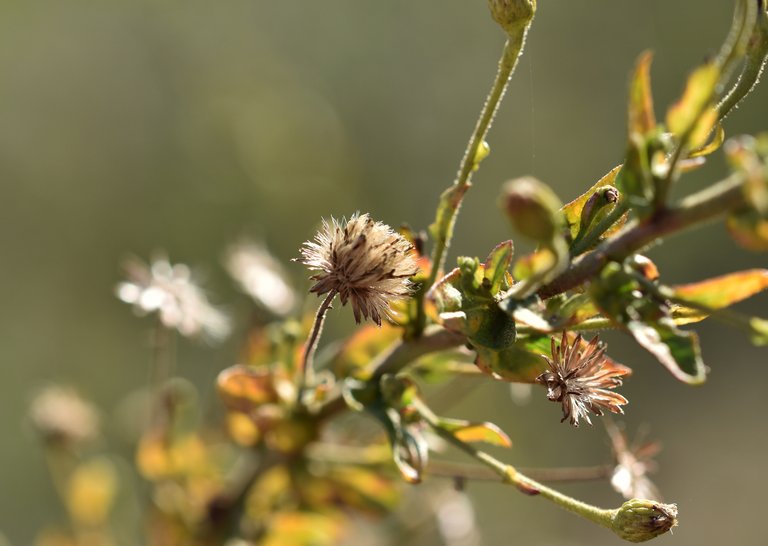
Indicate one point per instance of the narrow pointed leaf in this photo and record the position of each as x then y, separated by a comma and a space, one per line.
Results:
642, 120
725, 290
467, 431
572, 211
698, 94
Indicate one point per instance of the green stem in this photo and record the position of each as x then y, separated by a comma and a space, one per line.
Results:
450, 200
698, 208
448, 469
404, 352
757, 56
509, 474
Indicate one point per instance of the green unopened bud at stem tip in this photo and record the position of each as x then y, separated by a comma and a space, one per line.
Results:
511, 15
639, 520
533, 208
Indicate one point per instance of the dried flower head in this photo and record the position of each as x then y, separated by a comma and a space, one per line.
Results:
364, 261
579, 378
633, 463
60, 415
261, 276
170, 291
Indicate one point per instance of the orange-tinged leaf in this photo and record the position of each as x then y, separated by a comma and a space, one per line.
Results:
749, 230
641, 117
304, 529
725, 290
367, 342
242, 428
467, 431
243, 388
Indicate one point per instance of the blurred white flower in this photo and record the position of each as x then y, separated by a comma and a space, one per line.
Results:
170, 291
260, 276
456, 519
633, 463
59, 414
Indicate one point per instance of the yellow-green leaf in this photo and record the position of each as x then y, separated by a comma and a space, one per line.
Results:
699, 93
467, 431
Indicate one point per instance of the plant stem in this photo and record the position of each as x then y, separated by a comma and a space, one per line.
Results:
404, 352
448, 469
397, 357
757, 55
509, 474
306, 370
700, 207
450, 200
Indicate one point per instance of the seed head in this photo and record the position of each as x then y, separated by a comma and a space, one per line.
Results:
61, 416
579, 378
364, 261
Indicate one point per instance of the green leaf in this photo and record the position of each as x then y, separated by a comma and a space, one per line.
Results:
572, 211
520, 363
467, 431
676, 349
641, 117
623, 299
725, 290
496, 266
465, 300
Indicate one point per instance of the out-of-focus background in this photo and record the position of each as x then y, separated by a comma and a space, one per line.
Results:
127, 127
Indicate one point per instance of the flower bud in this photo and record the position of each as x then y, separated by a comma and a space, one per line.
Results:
533, 208
597, 206
512, 14
639, 520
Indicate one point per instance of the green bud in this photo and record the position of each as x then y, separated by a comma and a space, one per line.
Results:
597, 206
533, 208
639, 520
511, 15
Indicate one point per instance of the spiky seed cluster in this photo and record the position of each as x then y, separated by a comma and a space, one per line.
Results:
579, 379
364, 261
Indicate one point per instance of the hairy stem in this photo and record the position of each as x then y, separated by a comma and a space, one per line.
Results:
306, 370
450, 200
757, 55
698, 208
